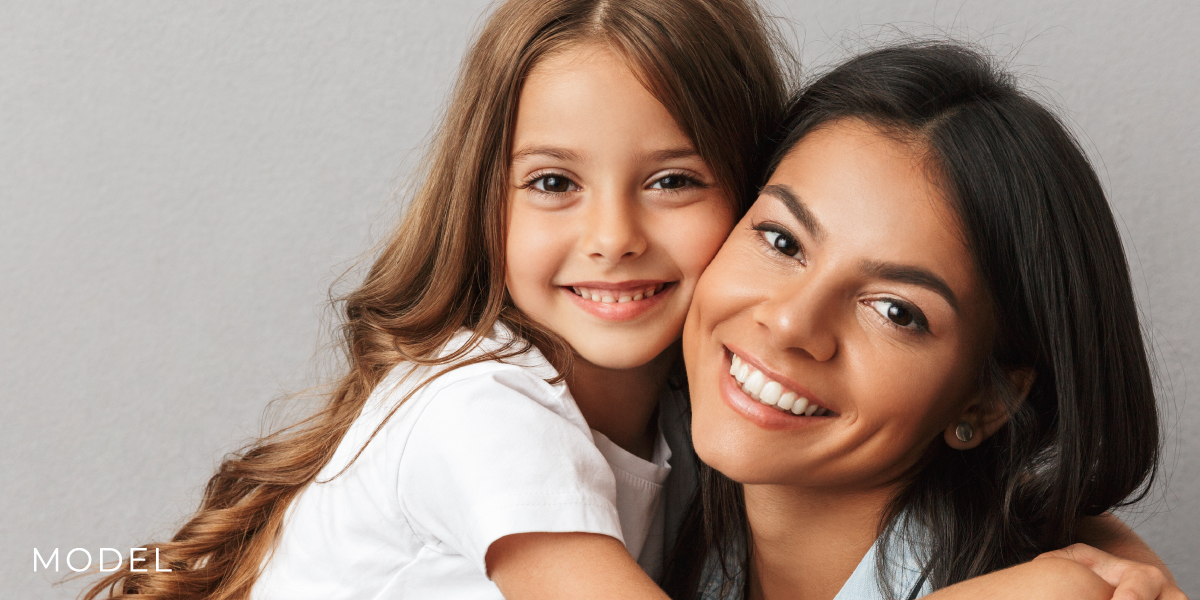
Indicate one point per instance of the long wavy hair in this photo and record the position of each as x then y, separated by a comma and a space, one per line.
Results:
1034, 215
712, 63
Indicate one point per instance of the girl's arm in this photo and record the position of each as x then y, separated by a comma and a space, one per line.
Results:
1113, 536
1076, 572
551, 566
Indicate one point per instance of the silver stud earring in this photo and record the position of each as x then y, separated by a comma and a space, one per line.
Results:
963, 432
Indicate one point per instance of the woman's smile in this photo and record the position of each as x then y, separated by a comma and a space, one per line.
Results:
767, 399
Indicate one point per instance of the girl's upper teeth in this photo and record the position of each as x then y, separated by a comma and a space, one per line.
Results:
608, 296
772, 393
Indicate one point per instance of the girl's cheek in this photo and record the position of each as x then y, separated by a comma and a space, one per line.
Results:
703, 236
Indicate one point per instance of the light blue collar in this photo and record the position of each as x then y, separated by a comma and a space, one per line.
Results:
863, 583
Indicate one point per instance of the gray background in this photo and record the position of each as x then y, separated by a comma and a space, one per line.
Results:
181, 183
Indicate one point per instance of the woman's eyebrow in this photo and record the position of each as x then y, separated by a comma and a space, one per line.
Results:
792, 201
673, 153
562, 154
911, 275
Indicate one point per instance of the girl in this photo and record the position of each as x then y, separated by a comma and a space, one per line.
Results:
918, 355
509, 346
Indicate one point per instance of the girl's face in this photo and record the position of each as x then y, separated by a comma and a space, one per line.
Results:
612, 213
847, 294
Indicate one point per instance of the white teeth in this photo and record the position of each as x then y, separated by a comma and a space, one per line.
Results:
772, 393
742, 373
754, 383
610, 296
799, 406
787, 400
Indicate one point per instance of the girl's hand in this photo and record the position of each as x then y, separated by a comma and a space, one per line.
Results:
1132, 580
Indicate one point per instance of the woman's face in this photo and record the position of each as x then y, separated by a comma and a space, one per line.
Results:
845, 295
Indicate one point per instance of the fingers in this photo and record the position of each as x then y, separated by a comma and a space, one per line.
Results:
1139, 582
1132, 580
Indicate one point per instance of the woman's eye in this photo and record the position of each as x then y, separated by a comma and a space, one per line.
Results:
671, 182
782, 242
554, 184
900, 314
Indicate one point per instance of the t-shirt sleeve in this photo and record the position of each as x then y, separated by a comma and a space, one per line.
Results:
486, 459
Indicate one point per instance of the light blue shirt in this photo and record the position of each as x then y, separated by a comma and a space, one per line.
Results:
863, 583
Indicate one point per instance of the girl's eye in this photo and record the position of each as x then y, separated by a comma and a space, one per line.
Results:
901, 314
554, 184
671, 182
782, 242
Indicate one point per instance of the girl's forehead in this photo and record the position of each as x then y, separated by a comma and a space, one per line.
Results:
589, 100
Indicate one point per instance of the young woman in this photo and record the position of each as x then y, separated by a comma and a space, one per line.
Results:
917, 359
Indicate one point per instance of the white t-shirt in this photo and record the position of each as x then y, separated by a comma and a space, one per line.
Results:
481, 452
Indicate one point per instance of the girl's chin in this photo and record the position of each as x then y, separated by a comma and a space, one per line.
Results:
614, 353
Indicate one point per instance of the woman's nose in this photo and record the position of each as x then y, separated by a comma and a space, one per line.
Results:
613, 231
800, 315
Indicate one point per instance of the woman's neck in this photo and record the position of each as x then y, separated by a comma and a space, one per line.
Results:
621, 403
807, 543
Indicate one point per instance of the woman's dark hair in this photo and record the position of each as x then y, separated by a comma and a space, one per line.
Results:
1033, 212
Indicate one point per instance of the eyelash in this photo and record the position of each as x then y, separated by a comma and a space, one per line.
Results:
531, 182
767, 228
920, 323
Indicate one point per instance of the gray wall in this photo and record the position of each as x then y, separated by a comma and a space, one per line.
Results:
180, 184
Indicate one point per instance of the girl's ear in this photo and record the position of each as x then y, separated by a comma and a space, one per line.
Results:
985, 413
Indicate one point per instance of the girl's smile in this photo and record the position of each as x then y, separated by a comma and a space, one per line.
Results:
621, 301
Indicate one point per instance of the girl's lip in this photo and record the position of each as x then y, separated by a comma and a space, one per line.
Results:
756, 412
619, 311
617, 286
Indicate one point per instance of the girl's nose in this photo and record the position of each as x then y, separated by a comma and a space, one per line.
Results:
614, 231
800, 315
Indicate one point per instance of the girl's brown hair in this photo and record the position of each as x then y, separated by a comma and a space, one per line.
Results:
712, 63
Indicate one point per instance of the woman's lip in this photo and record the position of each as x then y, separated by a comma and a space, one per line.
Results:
787, 382
760, 414
619, 311
756, 412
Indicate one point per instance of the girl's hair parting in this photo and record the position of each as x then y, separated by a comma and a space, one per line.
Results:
1085, 438
712, 63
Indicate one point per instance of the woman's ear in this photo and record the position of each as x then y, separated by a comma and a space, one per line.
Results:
985, 414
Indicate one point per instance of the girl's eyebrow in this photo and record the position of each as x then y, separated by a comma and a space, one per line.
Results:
556, 153
792, 201
911, 275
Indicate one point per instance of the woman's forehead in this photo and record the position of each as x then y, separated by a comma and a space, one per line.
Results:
872, 197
